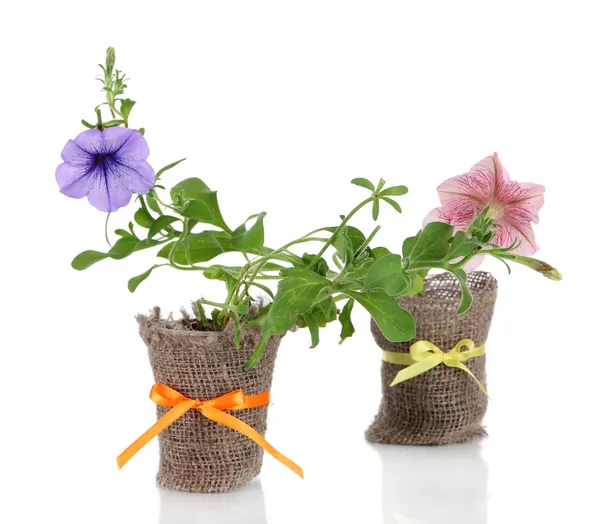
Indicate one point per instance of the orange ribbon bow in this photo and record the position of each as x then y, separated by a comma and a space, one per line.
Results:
211, 409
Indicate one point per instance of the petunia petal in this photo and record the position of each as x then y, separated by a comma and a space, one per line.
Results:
516, 193
74, 154
435, 215
73, 180
478, 185
516, 224
134, 150
98, 142
106, 193
137, 178
474, 263
458, 209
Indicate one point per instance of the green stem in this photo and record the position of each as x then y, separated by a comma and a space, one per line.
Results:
261, 262
428, 265
106, 229
163, 204
264, 288
337, 231
175, 265
462, 262
217, 304
367, 241
176, 244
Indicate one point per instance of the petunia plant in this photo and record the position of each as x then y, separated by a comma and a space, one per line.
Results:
483, 213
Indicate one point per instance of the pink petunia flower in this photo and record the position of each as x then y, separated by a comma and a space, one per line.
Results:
487, 184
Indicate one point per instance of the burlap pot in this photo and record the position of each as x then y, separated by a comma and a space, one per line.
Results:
443, 405
197, 454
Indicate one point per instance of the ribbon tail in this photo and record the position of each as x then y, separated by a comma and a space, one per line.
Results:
162, 423
416, 369
236, 424
460, 365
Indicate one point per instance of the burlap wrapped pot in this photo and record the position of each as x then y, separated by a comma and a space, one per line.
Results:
443, 405
197, 454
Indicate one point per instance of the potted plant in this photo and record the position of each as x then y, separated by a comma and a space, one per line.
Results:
208, 364
434, 386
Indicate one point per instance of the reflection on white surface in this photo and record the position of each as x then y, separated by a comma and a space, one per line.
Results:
434, 485
245, 505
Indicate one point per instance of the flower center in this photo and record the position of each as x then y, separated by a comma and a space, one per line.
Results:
495, 210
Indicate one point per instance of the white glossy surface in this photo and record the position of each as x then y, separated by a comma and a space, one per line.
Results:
418, 485
278, 105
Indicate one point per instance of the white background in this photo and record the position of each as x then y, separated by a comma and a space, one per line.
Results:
278, 105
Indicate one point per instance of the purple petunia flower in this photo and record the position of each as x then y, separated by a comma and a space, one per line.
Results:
106, 166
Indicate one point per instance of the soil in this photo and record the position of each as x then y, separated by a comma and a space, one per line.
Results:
194, 324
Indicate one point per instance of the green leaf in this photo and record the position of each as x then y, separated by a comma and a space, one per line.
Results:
393, 203
86, 259
343, 242
354, 235
126, 107
199, 202
153, 202
375, 209
396, 324
244, 306
237, 337
143, 218
136, 281
190, 189
294, 297
217, 273
467, 298
131, 229
123, 247
460, 246
394, 191
167, 167
430, 245
254, 238
379, 252
320, 267
346, 321
198, 247
218, 319
323, 312
306, 274
259, 349
259, 320
162, 222
417, 282
113, 123
409, 244
313, 327
387, 274
363, 182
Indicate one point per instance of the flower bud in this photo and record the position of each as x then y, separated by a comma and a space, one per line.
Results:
110, 59
537, 265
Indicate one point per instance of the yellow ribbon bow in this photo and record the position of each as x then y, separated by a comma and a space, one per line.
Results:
424, 356
211, 409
